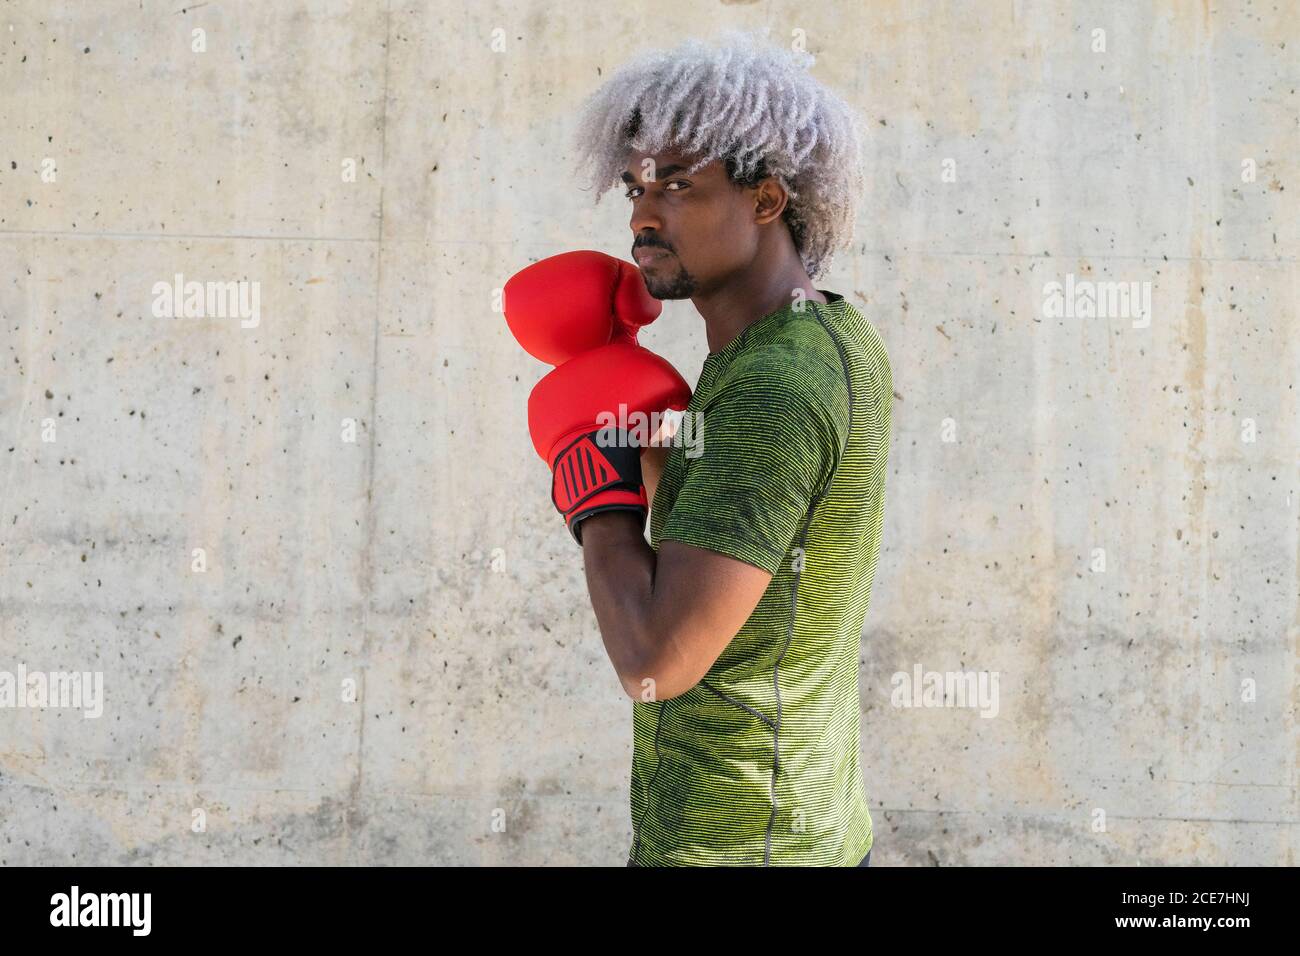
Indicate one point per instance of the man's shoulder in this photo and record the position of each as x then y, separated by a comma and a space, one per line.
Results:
791, 378
800, 356
831, 346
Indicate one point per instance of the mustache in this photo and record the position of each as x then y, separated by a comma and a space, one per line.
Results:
650, 245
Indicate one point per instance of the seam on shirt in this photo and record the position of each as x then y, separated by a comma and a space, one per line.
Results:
848, 384
794, 590
649, 791
776, 682
731, 700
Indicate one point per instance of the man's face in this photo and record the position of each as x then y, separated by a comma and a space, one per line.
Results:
689, 231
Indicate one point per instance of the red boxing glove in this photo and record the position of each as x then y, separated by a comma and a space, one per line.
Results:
575, 418
568, 304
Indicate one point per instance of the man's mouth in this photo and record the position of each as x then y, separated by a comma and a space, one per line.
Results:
648, 254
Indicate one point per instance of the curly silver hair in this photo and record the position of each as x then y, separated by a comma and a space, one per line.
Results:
749, 103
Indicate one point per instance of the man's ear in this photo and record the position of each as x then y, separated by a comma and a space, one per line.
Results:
770, 199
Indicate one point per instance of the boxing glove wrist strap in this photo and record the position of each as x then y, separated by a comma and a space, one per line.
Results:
589, 477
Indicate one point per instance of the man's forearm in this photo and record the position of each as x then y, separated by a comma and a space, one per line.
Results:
620, 568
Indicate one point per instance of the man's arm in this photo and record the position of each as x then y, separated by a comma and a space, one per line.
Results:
773, 441
664, 618
652, 467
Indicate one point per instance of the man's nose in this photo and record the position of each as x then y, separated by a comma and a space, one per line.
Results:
646, 217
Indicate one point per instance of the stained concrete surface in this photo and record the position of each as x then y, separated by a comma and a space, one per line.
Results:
390, 656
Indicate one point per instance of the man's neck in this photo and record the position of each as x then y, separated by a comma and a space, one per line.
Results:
728, 311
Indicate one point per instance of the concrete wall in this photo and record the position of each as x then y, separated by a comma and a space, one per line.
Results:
385, 652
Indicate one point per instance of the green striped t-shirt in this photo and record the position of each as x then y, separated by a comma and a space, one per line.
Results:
757, 764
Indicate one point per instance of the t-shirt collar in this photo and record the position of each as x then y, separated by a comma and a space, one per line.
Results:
738, 343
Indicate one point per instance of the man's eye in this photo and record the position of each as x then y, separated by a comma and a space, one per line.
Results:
671, 182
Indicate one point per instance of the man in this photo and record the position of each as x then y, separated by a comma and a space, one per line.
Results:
736, 629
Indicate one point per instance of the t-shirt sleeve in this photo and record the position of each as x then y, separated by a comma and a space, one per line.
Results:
765, 445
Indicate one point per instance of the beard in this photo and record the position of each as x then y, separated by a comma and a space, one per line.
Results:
670, 284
